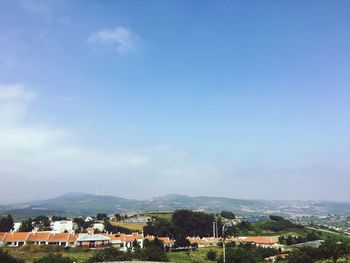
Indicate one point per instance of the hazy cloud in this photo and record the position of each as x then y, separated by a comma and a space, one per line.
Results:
121, 38
40, 152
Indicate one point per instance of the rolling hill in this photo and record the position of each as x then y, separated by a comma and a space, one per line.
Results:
76, 204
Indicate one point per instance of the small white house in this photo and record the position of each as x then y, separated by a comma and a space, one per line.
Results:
61, 226
99, 226
16, 227
89, 219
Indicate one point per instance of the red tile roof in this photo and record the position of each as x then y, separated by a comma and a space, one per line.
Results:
18, 236
39, 236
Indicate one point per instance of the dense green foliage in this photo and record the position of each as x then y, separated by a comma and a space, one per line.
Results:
227, 215
110, 254
291, 240
53, 258
211, 255
6, 223
331, 249
279, 223
247, 253
101, 216
43, 222
183, 223
26, 225
6, 258
58, 218
152, 251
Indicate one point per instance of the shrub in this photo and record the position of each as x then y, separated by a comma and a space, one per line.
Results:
5, 257
53, 258
211, 255
110, 254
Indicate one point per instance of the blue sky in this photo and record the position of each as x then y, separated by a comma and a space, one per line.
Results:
246, 99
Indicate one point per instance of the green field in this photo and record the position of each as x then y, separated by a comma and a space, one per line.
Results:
31, 252
193, 256
132, 226
162, 215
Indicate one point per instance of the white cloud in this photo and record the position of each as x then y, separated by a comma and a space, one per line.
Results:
122, 39
15, 92
50, 157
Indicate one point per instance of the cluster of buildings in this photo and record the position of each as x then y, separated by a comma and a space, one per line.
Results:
66, 239
120, 240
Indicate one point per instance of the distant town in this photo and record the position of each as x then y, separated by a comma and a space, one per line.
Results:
168, 236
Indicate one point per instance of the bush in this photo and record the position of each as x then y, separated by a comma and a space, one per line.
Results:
211, 255
54, 258
239, 255
110, 254
5, 257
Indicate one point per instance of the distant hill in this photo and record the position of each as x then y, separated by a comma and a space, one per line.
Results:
76, 204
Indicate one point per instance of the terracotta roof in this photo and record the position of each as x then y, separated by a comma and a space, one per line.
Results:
124, 237
18, 236
72, 238
166, 240
57, 237
39, 236
258, 239
203, 240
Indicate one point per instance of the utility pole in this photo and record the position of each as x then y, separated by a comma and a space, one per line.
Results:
227, 224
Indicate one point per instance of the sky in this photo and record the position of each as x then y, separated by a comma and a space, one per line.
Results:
241, 99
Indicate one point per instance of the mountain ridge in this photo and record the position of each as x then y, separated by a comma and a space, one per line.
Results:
78, 203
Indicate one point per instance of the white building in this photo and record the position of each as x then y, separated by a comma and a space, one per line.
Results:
62, 226
99, 226
16, 227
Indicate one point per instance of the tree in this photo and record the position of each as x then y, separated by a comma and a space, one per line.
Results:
118, 217
43, 222
334, 249
7, 258
135, 244
58, 218
227, 215
298, 256
26, 225
239, 255
101, 216
211, 255
193, 223
153, 251
53, 258
182, 241
6, 223
110, 254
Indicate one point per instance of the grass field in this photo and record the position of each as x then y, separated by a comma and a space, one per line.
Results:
199, 256
163, 215
30, 252
131, 226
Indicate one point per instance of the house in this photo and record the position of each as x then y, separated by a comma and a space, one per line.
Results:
2, 238
38, 238
168, 242
88, 219
16, 227
16, 239
99, 226
62, 226
124, 241
92, 240
62, 239
263, 241
205, 241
